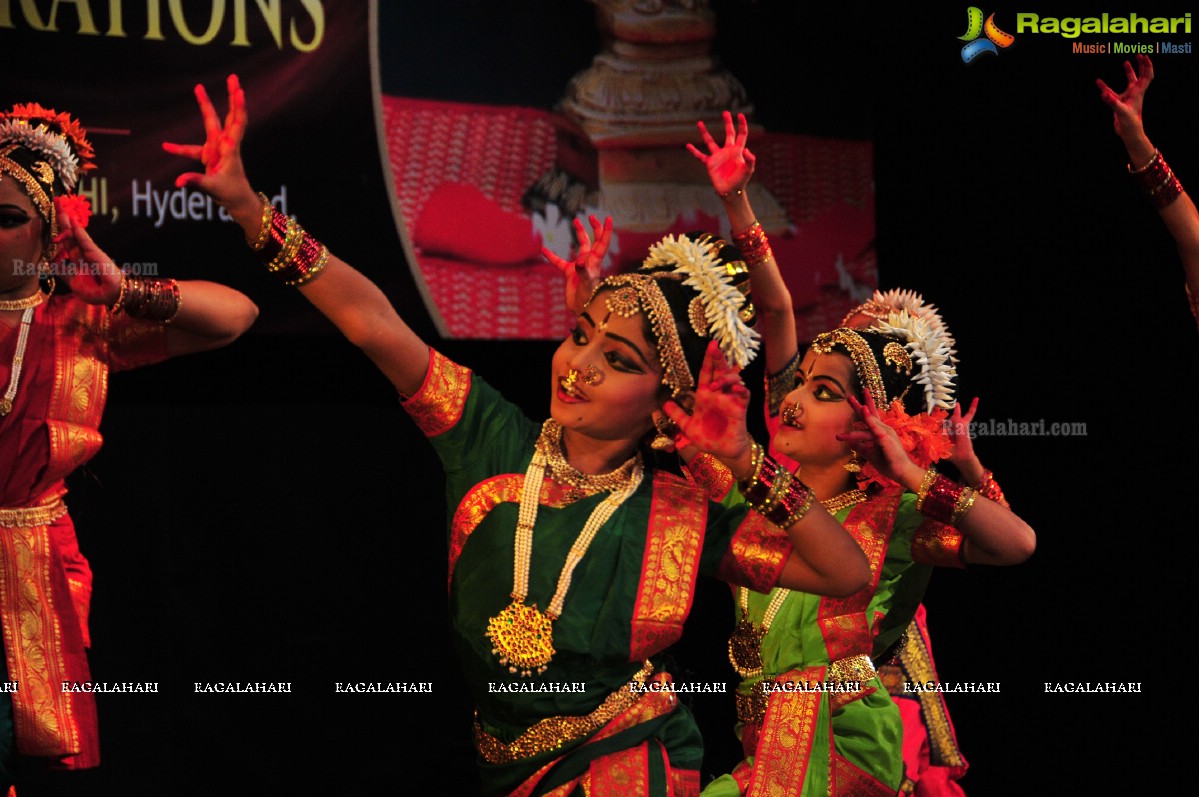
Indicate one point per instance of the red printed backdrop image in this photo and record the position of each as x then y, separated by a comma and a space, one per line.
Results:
596, 125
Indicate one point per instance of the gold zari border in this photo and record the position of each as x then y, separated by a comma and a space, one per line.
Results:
552, 733
29, 516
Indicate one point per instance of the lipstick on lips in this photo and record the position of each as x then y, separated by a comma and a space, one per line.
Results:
567, 389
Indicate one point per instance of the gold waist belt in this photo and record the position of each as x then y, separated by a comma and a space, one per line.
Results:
43, 514
554, 732
840, 676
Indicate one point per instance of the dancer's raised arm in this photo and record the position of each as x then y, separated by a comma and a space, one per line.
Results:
345, 296
1149, 169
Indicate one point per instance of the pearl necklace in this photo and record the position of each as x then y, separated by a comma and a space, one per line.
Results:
522, 636
14, 377
745, 643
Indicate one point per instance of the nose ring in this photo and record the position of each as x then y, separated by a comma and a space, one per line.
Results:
572, 376
788, 414
592, 375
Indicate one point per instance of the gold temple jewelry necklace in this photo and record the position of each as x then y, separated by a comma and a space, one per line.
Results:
745, 643
522, 636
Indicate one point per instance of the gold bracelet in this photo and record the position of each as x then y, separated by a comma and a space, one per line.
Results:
963, 504
757, 455
925, 485
291, 244
116, 306
264, 231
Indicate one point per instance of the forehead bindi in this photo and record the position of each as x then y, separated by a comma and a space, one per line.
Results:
833, 364
626, 332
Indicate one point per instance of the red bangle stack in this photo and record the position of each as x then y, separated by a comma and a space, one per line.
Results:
1157, 181
148, 299
753, 244
291, 253
774, 492
944, 500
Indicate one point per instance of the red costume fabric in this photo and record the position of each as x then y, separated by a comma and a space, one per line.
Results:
45, 581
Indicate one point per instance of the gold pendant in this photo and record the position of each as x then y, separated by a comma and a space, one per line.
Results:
5, 407
522, 638
745, 649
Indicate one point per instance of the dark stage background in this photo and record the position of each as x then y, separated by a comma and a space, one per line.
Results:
267, 513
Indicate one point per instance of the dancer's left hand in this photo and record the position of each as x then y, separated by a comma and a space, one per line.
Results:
958, 429
1127, 106
224, 176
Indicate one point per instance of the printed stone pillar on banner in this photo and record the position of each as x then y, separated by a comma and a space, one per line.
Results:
638, 104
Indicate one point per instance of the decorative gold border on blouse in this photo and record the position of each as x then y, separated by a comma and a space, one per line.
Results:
678, 515
756, 554
937, 544
437, 406
843, 621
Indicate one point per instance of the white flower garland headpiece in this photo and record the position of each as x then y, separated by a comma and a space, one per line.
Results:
930, 347
50, 144
904, 312
720, 300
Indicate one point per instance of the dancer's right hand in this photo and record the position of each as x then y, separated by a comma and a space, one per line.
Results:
583, 273
729, 165
224, 177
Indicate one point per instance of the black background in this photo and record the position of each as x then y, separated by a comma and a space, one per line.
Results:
266, 512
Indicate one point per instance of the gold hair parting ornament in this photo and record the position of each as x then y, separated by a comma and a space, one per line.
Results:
862, 356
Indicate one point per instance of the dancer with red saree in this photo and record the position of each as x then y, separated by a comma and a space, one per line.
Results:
56, 352
605, 543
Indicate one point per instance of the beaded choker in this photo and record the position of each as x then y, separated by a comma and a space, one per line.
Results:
32, 300
549, 443
522, 636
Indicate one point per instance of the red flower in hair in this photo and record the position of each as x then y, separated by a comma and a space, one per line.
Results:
922, 435
33, 113
76, 207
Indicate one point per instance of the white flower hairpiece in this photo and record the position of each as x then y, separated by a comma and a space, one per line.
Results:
930, 346
50, 144
720, 299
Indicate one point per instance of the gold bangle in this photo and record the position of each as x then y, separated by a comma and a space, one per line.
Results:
964, 502
291, 244
925, 485
757, 455
264, 231
116, 306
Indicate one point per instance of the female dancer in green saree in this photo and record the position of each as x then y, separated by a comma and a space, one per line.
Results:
572, 554
864, 415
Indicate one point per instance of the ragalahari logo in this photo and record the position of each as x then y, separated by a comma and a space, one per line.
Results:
995, 38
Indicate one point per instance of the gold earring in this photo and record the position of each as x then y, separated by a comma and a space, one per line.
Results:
45, 276
667, 429
855, 463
